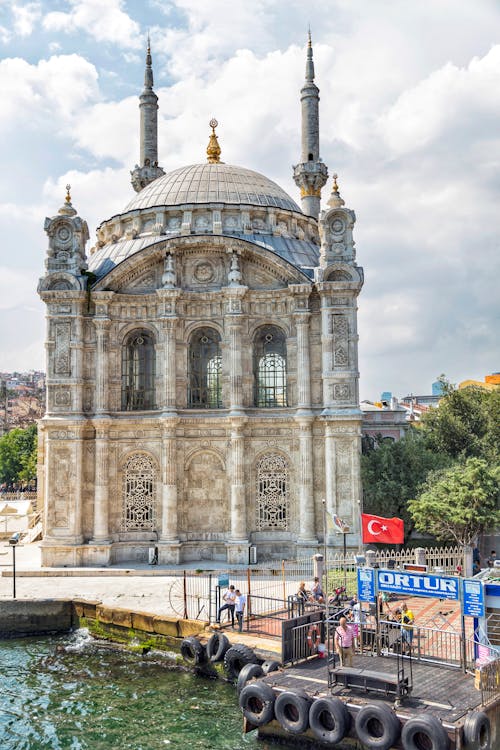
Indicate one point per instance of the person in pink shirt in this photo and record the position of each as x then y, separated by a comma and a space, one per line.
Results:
344, 637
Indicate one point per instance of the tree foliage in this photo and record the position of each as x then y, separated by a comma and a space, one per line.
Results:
459, 502
393, 472
18, 451
466, 423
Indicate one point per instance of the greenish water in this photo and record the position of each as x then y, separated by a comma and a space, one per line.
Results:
69, 693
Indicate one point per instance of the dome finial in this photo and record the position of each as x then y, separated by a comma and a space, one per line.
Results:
335, 201
213, 148
67, 208
68, 194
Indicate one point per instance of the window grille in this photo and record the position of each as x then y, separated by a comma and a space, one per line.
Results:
272, 493
270, 367
205, 370
138, 372
139, 494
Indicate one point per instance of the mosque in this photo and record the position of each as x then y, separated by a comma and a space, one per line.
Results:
202, 364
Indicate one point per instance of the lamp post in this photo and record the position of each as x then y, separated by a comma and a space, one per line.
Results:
14, 541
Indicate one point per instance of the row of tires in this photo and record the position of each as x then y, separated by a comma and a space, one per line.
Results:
240, 662
376, 726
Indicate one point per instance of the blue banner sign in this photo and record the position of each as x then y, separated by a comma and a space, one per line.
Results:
419, 585
473, 599
223, 581
366, 584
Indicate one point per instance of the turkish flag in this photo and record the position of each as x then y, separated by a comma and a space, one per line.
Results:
382, 530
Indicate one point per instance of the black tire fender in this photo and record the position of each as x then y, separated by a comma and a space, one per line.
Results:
235, 659
329, 720
257, 703
424, 729
477, 731
270, 666
217, 645
247, 673
192, 651
292, 711
377, 727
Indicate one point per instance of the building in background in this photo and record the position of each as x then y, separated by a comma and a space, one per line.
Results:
202, 363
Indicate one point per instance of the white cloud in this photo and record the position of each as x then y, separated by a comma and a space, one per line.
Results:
104, 20
25, 17
52, 92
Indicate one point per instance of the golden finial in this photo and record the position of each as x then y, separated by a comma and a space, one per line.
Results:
213, 148
68, 196
336, 201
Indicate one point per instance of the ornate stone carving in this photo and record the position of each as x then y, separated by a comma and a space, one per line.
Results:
139, 493
341, 392
272, 493
62, 397
62, 363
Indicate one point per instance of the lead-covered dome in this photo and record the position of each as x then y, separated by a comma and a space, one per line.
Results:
212, 183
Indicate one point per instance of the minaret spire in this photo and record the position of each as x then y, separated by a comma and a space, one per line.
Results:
147, 170
311, 174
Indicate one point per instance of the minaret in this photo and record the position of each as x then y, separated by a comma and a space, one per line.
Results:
311, 174
147, 170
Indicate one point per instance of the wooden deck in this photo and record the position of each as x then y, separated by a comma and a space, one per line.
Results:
446, 693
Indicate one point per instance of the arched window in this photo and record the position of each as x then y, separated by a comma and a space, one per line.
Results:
272, 493
139, 493
205, 370
269, 367
138, 371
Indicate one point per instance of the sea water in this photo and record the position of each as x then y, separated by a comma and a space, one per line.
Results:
72, 693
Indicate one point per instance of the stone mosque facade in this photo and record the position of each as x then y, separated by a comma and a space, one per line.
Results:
202, 368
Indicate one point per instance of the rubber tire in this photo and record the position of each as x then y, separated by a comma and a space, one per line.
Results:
300, 704
247, 673
217, 645
270, 666
337, 711
258, 696
477, 723
193, 651
429, 725
235, 659
388, 721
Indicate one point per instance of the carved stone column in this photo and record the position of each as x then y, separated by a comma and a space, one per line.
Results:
101, 489
76, 520
101, 365
238, 544
169, 483
330, 473
305, 482
169, 326
233, 325
303, 361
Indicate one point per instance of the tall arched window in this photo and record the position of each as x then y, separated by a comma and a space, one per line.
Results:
138, 371
139, 493
272, 493
269, 367
205, 370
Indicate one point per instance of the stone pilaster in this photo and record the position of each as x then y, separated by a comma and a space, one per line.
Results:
169, 482
101, 365
76, 519
167, 313
307, 534
330, 474
237, 550
233, 325
302, 316
101, 488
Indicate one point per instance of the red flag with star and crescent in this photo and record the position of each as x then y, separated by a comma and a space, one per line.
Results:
382, 530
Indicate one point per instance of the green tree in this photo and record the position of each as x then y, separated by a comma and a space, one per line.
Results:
466, 423
18, 455
393, 472
458, 503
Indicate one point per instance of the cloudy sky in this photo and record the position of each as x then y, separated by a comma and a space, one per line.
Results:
410, 120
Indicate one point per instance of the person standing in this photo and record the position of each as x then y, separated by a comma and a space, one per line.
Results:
240, 604
407, 620
229, 597
344, 636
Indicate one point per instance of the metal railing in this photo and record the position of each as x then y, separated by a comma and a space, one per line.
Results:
488, 678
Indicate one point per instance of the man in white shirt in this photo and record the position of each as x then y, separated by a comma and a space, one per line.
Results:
229, 597
240, 604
